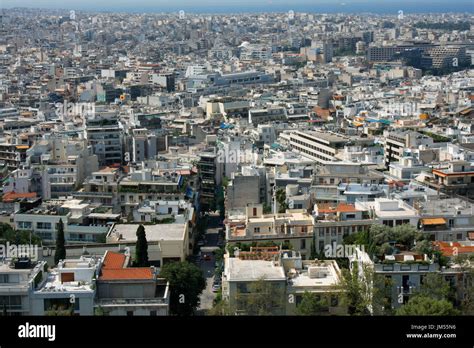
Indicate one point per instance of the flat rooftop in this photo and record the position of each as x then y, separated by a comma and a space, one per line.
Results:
448, 206
326, 277
253, 270
330, 137
157, 232
53, 284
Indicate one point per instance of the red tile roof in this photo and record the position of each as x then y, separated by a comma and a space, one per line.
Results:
12, 196
453, 249
331, 208
113, 260
126, 273
114, 268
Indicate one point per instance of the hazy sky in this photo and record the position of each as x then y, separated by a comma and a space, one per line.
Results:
250, 5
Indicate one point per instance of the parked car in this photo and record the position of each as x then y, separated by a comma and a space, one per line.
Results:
216, 287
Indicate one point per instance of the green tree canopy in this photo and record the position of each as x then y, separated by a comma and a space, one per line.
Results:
423, 305
9, 234
60, 252
187, 283
356, 289
435, 286
312, 304
262, 298
141, 248
280, 197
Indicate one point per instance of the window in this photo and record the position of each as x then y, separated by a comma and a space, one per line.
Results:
254, 211
152, 313
242, 288
3, 278
303, 244
24, 225
43, 225
129, 313
256, 230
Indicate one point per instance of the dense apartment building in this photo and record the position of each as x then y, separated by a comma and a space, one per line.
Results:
397, 142
104, 134
319, 146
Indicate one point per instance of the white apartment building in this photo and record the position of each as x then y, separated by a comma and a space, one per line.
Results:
319, 146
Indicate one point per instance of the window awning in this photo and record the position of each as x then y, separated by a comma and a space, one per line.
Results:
433, 221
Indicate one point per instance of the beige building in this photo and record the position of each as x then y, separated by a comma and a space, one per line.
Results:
167, 242
288, 276
294, 227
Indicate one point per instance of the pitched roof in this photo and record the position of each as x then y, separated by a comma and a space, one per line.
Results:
114, 268
12, 196
113, 260
126, 273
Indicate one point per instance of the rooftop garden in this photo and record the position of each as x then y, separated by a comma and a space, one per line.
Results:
380, 241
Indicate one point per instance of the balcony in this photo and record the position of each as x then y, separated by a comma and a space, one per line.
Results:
132, 301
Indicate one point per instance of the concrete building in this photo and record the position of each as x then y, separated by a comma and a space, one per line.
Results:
18, 280
104, 134
172, 240
70, 286
319, 146
127, 291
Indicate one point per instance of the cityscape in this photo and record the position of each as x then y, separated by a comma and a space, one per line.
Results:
253, 162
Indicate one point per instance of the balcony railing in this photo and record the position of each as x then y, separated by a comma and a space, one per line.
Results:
132, 301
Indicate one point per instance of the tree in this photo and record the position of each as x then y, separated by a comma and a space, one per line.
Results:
436, 287
60, 253
364, 292
423, 305
12, 236
221, 307
313, 253
262, 298
220, 201
186, 284
466, 284
312, 304
357, 290
141, 248
280, 196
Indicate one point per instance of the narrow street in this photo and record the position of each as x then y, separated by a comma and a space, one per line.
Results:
208, 266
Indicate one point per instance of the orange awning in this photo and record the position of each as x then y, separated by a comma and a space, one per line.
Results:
433, 221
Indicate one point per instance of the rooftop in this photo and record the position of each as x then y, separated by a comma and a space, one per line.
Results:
253, 270
159, 232
447, 207
325, 208
315, 274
